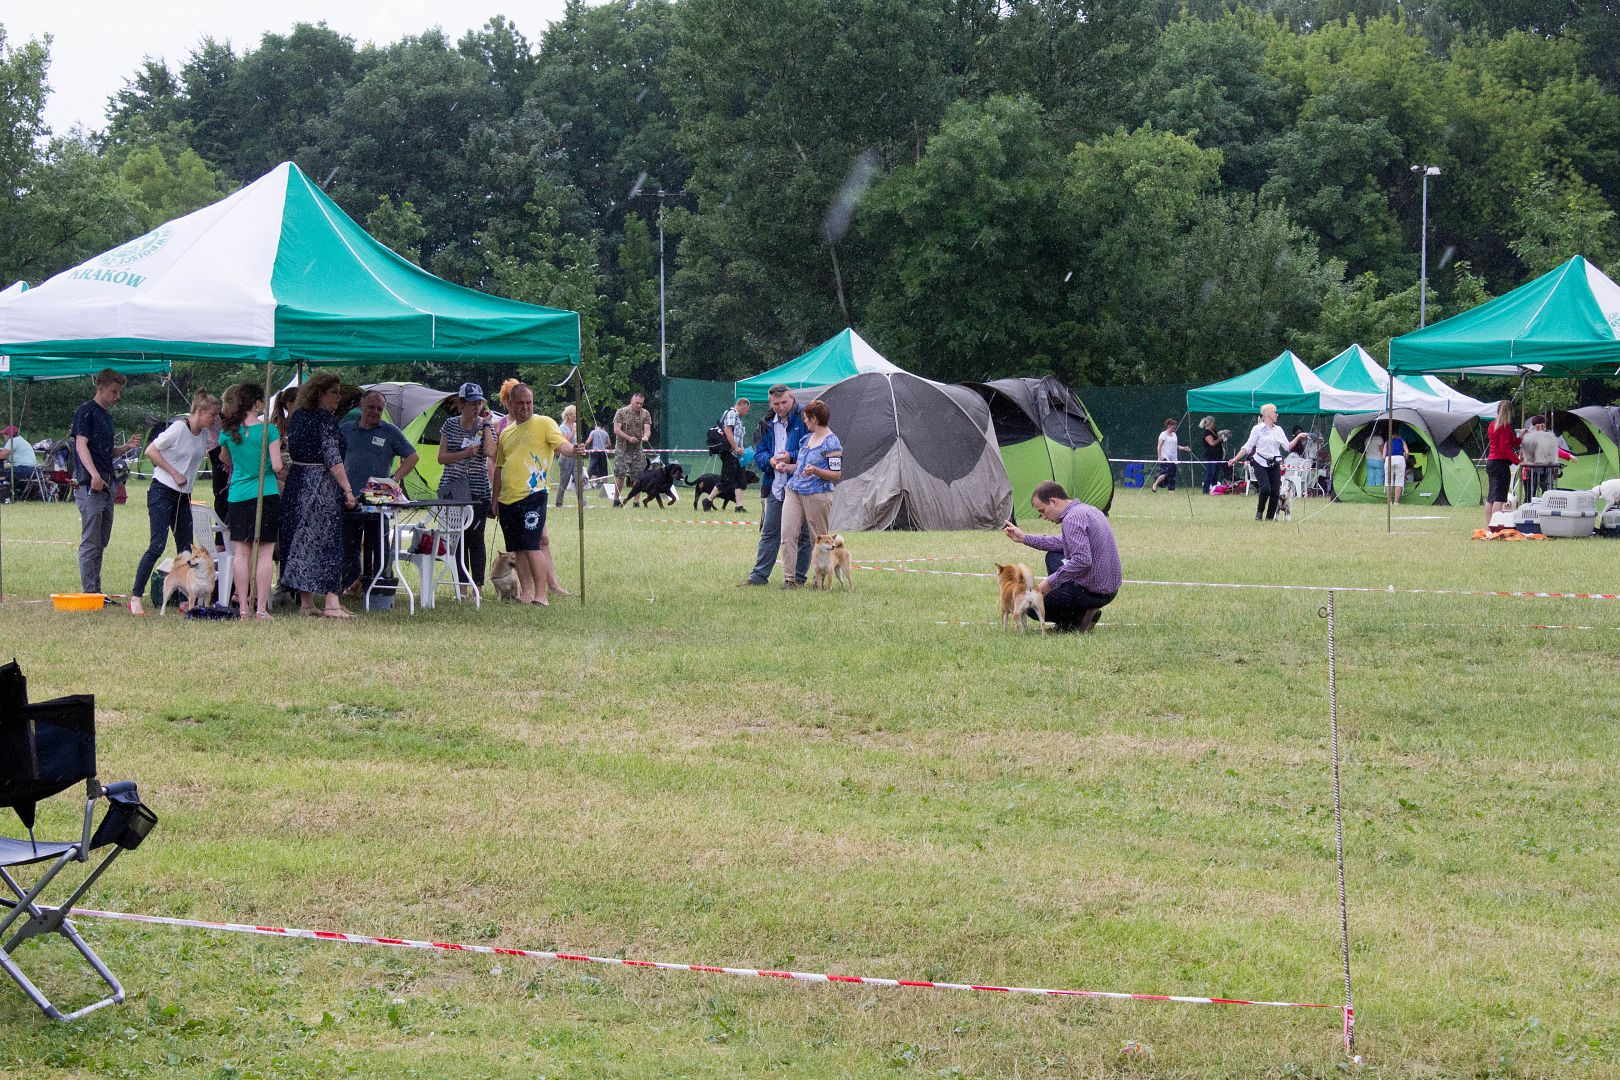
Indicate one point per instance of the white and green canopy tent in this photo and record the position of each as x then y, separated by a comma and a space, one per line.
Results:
1355, 369
1564, 323
844, 354
1285, 382
275, 272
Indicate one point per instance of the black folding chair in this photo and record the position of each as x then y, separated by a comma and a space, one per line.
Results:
45, 748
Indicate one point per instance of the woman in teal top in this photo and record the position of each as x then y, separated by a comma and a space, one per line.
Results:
241, 442
817, 464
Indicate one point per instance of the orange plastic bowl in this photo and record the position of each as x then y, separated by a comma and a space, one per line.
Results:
78, 601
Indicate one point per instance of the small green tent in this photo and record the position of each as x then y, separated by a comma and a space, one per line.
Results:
1284, 382
1565, 322
1044, 433
844, 354
1436, 451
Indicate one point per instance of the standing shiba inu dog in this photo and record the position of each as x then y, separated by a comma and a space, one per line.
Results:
1018, 595
503, 575
830, 559
190, 572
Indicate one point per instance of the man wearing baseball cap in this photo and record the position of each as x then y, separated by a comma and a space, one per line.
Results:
19, 459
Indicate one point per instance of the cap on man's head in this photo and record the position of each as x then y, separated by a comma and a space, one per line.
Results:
9, 430
470, 391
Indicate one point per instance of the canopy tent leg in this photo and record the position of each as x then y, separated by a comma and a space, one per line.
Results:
1389, 435
247, 578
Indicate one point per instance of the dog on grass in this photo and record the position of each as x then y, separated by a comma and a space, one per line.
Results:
656, 482
1609, 492
1285, 504
829, 560
190, 572
713, 488
1019, 596
503, 575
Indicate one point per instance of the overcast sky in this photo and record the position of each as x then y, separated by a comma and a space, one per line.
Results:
97, 44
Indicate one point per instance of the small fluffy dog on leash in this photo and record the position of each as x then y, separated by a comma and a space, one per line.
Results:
190, 572
1019, 595
830, 559
1285, 504
503, 575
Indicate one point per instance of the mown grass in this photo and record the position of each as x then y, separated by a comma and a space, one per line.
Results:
682, 769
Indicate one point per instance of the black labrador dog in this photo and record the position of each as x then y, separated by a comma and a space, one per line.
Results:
713, 488
656, 482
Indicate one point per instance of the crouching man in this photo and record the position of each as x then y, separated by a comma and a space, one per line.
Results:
1082, 563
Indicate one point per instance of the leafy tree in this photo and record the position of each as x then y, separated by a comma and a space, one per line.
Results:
1555, 221
1209, 80
398, 227
970, 283
169, 185
1358, 312
22, 124
207, 108
149, 101
505, 55
602, 78
279, 93
1329, 174
778, 103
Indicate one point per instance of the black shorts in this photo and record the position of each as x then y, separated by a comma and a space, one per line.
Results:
1167, 471
1497, 471
523, 522
239, 520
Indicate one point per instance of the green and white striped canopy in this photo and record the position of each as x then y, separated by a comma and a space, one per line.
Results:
1565, 322
274, 272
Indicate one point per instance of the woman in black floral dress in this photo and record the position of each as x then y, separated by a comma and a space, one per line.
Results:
317, 493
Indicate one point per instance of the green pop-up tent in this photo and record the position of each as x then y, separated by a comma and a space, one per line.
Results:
1284, 382
1565, 322
1436, 444
844, 354
1044, 433
275, 272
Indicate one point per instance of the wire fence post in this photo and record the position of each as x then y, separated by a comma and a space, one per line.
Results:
1329, 613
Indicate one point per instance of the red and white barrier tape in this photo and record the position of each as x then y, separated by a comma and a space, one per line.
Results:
698, 521
709, 969
1293, 588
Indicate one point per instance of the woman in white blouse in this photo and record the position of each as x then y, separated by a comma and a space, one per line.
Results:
1268, 444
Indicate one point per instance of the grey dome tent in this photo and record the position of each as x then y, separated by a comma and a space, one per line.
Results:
917, 455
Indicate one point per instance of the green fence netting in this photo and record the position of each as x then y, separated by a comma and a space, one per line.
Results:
689, 408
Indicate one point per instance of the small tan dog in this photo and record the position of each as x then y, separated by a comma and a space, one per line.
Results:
190, 572
1018, 595
830, 559
503, 575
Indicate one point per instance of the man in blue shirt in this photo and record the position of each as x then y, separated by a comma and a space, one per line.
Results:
93, 453
370, 445
782, 431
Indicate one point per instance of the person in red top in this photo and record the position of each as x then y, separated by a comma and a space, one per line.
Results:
1503, 455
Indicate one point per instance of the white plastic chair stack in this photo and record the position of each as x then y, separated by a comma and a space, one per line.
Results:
209, 531
442, 563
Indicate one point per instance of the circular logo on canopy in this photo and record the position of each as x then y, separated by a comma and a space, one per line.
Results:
138, 248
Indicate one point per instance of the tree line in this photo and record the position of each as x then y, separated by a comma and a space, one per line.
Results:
1113, 191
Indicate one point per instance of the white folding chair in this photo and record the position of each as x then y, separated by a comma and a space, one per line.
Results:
210, 532
443, 562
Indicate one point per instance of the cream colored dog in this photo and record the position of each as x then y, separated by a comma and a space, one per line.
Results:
190, 572
503, 575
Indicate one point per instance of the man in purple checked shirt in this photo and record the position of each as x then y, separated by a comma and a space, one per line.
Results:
1082, 564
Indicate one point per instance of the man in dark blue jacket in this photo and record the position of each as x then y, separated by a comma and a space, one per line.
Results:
779, 438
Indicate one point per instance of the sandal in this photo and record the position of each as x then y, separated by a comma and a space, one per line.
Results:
264, 615
336, 613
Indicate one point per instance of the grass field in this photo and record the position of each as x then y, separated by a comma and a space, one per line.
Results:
878, 783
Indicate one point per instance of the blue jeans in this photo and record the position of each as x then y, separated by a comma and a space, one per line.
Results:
1212, 474
770, 543
166, 510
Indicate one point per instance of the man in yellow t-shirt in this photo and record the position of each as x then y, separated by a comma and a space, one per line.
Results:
524, 455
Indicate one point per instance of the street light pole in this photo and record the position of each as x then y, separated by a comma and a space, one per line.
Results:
663, 355
1423, 259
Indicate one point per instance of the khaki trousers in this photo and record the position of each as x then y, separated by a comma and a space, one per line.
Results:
797, 511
